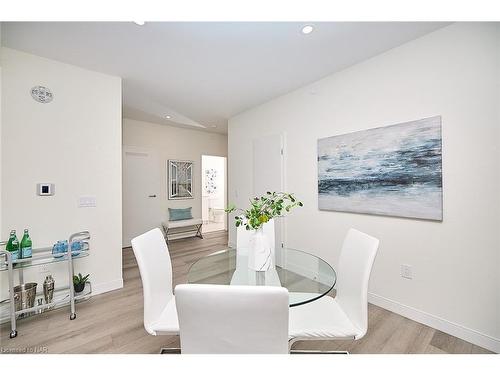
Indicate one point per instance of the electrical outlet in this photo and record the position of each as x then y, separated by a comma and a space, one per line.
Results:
406, 271
43, 268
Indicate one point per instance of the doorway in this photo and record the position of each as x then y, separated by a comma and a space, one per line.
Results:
214, 196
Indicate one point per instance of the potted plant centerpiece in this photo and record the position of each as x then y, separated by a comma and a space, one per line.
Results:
79, 282
261, 212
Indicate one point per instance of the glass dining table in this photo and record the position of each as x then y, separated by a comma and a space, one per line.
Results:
306, 276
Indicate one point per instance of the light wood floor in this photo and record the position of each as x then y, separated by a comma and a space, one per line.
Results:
112, 322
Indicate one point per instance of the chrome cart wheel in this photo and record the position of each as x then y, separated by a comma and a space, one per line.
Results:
72, 316
13, 334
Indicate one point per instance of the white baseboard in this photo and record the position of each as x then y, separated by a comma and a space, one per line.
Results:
464, 333
107, 286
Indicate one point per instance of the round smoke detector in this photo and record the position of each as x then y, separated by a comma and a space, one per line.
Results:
42, 94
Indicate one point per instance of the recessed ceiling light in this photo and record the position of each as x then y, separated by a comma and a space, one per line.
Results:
307, 29
168, 117
140, 23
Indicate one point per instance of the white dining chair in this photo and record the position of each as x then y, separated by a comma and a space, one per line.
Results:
346, 316
223, 319
155, 267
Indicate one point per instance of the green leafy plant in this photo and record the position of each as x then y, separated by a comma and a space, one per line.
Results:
262, 209
79, 280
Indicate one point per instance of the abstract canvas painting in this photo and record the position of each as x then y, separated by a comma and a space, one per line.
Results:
393, 170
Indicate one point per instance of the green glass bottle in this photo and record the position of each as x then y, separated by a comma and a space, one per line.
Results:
26, 245
13, 245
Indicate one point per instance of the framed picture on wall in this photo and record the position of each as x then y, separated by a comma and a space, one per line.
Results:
394, 170
180, 179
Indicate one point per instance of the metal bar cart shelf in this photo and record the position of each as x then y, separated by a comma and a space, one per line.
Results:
44, 256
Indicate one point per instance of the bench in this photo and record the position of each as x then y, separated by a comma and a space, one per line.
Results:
173, 228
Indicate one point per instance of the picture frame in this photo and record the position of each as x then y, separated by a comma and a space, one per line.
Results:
394, 170
180, 179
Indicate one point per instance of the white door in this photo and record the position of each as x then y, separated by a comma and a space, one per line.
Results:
268, 172
142, 209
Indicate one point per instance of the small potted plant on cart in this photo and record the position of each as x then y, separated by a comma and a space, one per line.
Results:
79, 282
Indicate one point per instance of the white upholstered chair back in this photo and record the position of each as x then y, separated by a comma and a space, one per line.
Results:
355, 265
223, 319
155, 267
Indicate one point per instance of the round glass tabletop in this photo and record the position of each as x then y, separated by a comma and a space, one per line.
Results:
306, 276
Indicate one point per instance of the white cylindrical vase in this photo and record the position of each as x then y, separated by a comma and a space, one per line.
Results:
260, 252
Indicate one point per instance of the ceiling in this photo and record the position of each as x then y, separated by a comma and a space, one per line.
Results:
201, 74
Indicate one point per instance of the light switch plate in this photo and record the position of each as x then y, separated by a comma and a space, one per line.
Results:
87, 201
406, 271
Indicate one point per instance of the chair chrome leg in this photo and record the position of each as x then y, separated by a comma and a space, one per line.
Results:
305, 351
170, 351
299, 351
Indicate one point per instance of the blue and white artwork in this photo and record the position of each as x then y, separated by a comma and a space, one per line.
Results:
394, 170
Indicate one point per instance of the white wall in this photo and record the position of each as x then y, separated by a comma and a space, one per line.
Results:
168, 142
73, 142
453, 72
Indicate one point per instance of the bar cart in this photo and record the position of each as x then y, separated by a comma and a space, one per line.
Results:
45, 256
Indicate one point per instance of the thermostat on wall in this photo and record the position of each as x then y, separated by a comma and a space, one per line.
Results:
45, 189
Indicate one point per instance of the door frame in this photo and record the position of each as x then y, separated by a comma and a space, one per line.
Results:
283, 185
226, 192
137, 151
